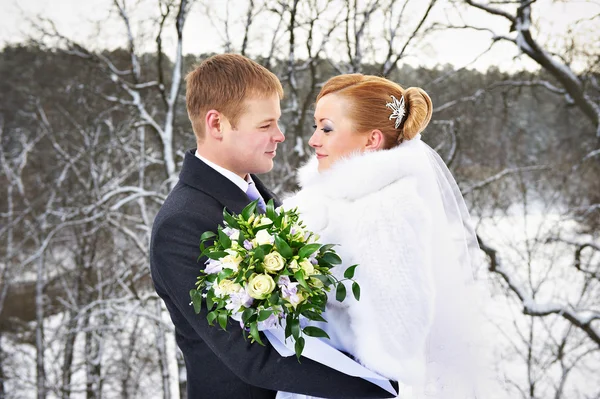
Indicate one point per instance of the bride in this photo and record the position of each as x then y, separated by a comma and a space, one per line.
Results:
393, 207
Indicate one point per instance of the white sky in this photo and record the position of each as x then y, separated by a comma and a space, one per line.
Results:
93, 23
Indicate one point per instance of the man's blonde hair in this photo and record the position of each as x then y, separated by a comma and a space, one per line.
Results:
223, 82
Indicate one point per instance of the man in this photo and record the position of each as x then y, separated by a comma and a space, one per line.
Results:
233, 104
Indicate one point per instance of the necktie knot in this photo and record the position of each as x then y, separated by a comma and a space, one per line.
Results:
253, 194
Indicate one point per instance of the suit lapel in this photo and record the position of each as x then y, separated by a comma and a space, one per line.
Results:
202, 177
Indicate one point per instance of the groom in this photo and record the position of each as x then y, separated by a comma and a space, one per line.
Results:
233, 104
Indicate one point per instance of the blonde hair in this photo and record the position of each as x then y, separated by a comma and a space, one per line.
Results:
368, 96
223, 82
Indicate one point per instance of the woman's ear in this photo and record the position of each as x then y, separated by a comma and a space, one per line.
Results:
374, 140
213, 123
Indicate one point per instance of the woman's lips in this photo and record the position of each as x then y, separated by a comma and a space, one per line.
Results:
320, 156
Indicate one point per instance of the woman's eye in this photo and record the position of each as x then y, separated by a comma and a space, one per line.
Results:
326, 129
265, 127
314, 126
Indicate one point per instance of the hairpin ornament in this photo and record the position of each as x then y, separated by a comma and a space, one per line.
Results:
398, 110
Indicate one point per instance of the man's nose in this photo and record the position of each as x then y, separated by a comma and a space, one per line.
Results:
279, 136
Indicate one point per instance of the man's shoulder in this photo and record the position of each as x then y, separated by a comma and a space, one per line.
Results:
187, 204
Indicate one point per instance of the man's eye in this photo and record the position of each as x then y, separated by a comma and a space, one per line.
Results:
265, 127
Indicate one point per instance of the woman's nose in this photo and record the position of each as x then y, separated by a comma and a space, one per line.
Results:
314, 141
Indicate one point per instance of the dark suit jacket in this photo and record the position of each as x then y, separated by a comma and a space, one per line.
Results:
221, 364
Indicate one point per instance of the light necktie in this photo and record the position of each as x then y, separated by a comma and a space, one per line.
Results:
253, 194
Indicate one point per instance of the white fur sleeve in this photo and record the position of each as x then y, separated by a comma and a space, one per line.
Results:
392, 319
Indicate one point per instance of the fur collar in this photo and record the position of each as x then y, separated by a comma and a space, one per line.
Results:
360, 174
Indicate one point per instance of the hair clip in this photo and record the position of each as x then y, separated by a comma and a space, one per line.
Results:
398, 110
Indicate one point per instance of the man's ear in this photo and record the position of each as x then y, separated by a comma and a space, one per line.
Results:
214, 124
375, 140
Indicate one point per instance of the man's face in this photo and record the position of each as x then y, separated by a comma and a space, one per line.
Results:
252, 145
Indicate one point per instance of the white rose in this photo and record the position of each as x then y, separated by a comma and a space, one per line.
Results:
226, 287
231, 261
308, 267
294, 265
263, 237
260, 286
273, 262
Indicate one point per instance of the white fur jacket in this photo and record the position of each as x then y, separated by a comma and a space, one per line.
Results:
370, 205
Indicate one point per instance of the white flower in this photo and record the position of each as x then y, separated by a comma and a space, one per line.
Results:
273, 262
260, 286
308, 267
226, 287
231, 261
233, 234
263, 237
298, 233
265, 221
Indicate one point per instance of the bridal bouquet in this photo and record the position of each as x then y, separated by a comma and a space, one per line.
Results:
267, 271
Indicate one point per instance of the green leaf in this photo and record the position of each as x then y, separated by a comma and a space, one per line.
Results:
283, 247
223, 274
217, 255
223, 320
299, 347
271, 210
299, 275
326, 248
331, 257
295, 328
206, 235
278, 220
247, 314
196, 300
315, 332
340, 292
314, 316
356, 290
264, 315
241, 238
324, 279
288, 326
209, 301
230, 220
308, 250
249, 210
349, 273
224, 239
211, 317
274, 298
255, 334
259, 253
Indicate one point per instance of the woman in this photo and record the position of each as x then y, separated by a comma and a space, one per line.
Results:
391, 204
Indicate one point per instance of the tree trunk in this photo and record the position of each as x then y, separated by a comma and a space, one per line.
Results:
182, 375
163, 360
39, 331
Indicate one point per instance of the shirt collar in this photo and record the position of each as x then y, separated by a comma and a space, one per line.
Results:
235, 179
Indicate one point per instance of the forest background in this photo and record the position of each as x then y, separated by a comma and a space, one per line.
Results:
93, 128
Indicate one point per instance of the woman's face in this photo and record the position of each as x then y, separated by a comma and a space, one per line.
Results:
333, 137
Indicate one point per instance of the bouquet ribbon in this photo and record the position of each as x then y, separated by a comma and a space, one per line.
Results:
319, 351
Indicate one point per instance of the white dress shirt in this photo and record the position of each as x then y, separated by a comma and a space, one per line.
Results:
235, 179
